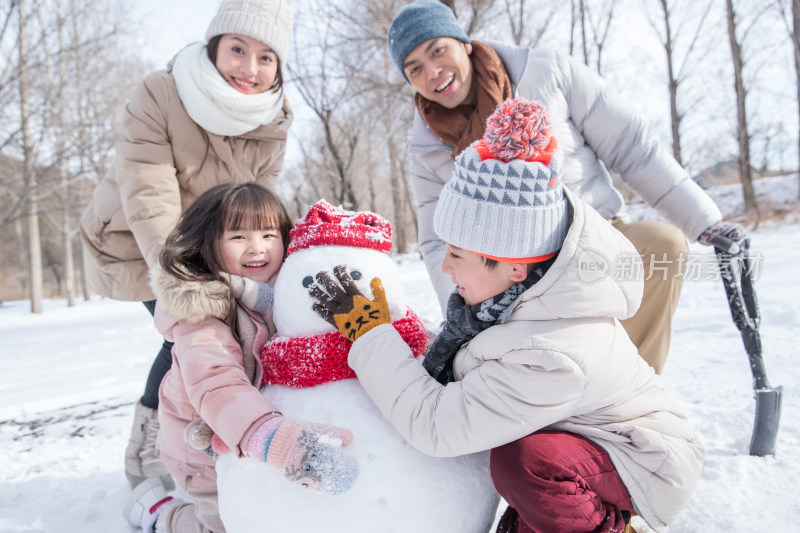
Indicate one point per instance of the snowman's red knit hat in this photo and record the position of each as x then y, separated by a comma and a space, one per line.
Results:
326, 225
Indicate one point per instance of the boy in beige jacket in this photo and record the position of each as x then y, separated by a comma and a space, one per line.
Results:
532, 361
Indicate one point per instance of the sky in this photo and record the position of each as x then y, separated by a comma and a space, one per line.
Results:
71, 376
169, 26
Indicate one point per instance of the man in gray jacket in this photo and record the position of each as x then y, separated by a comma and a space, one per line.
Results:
460, 82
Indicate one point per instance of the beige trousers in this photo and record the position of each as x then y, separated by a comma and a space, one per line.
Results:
202, 516
663, 249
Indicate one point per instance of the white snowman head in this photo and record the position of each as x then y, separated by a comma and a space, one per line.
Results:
326, 237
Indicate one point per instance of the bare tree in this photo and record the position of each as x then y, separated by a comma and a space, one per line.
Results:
791, 17
677, 74
57, 137
32, 212
528, 30
743, 135
56, 83
672, 82
363, 109
326, 90
796, 46
598, 17
475, 14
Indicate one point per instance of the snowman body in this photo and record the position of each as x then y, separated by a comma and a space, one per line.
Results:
398, 488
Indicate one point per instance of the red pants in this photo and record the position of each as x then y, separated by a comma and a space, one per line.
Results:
558, 482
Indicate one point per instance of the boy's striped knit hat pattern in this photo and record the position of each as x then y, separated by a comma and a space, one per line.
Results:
505, 199
268, 21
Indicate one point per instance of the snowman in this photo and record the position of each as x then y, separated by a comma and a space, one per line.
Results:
398, 489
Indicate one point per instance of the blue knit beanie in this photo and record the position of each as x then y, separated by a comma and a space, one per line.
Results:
416, 23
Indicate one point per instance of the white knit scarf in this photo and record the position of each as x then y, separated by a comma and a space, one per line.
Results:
212, 103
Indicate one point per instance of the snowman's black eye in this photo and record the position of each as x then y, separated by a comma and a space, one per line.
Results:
308, 281
356, 275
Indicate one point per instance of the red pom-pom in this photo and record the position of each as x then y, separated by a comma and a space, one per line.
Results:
519, 129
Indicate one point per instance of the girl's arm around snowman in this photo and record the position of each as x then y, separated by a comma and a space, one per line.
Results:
209, 360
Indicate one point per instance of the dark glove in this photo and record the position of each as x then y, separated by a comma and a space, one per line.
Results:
726, 236
343, 305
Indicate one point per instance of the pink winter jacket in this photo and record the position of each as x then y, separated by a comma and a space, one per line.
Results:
212, 378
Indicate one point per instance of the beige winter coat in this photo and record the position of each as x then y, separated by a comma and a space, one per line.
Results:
163, 162
561, 361
213, 377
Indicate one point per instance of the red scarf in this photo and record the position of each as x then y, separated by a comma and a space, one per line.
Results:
308, 361
465, 124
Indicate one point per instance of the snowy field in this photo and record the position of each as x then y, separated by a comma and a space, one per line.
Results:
71, 375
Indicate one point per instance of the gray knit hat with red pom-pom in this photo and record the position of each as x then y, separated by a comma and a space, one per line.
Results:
505, 199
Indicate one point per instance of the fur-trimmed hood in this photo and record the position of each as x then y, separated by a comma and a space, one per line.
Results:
212, 370
192, 301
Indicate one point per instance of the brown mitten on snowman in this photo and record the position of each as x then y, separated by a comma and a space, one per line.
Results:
345, 307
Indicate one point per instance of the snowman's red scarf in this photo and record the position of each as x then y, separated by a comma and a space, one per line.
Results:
308, 361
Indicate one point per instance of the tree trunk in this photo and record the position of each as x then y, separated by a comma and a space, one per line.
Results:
400, 239
22, 254
572, 17
675, 116
61, 148
32, 215
582, 19
750, 204
796, 43
516, 21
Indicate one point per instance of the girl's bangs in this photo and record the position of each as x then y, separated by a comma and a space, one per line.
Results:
249, 210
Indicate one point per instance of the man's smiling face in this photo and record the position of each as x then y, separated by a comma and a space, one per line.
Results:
440, 70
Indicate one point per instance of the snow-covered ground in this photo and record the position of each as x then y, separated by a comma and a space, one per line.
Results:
70, 377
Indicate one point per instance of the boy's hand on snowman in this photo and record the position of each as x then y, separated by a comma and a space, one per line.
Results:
308, 454
343, 305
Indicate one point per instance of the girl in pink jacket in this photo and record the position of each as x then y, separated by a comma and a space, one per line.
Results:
214, 302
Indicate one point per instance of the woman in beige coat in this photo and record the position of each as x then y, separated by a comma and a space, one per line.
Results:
217, 114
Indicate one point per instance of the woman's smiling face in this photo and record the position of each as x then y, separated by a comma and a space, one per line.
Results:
248, 65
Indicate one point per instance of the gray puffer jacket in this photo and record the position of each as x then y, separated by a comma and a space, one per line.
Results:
597, 130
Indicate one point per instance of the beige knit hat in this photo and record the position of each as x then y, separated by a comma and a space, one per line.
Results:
269, 21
